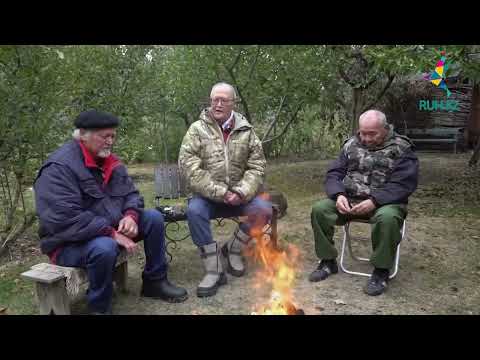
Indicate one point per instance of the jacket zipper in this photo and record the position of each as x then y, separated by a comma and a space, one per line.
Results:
225, 152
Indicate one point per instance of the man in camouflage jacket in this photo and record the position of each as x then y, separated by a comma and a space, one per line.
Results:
372, 178
223, 160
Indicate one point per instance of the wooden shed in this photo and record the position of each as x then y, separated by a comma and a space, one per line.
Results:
410, 115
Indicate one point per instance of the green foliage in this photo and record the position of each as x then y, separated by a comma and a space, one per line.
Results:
300, 98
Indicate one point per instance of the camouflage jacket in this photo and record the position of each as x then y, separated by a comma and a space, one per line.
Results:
212, 166
387, 174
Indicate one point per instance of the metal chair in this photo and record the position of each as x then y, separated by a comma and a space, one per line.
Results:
347, 242
170, 183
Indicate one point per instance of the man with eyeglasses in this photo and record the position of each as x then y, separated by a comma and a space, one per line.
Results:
223, 160
89, 208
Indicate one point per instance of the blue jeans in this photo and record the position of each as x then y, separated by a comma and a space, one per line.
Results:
200, 210
99, 255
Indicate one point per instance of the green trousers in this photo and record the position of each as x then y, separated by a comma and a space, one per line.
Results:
386, 223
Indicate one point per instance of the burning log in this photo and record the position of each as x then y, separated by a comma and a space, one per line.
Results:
279, 306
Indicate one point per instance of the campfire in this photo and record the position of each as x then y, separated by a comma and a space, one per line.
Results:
278, 273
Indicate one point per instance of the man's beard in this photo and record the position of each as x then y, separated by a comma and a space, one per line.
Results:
104, 153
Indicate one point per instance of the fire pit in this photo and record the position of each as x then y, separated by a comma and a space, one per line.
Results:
277, 272
277, 306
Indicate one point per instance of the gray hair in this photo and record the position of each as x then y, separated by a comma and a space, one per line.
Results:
77, 136
224, 84
378, 114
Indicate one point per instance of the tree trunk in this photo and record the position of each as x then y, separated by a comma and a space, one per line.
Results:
476, 155
164, 137
356, 97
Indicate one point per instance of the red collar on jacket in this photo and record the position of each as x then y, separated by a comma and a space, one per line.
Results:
110, 163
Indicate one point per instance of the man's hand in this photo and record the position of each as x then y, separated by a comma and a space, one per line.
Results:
363, 208
343, 206
128, 227
126, 242
232, 198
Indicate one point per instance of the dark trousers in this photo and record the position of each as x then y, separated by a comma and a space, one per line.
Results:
200, 210
98, 257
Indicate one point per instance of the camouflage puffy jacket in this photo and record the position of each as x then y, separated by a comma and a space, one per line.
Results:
388, 174
212, 166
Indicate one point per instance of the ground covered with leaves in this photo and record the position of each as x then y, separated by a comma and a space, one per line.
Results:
439, 265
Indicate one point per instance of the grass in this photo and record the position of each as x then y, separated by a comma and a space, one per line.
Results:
17, 294
439, 269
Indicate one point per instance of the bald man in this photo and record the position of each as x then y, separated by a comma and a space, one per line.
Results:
375, 173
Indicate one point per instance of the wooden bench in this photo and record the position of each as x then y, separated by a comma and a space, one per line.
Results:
170, 184
445, 135
58, 286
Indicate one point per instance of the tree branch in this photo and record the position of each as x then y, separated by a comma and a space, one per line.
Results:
345, 78
235, 62
370, 83
341, 102
381, 93
275, 119
239, 90
18, 231
284, 130
252, 68
19, 62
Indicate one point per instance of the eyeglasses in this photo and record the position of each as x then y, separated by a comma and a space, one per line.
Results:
105, 138
221, 100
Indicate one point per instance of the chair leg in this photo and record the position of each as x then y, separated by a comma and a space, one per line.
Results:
347, 242
397, 258
53, 298
120, 277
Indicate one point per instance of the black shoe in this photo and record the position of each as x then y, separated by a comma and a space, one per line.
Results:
163, 290
92, 311
377, 284
324, 270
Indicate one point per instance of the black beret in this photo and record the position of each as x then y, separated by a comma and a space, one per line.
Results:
93, 119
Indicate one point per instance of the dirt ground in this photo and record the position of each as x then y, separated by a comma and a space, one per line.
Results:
439, 265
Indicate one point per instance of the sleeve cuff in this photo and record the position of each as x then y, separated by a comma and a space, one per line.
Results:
108, 231
374, 201
222, 190
238, 192
133, 214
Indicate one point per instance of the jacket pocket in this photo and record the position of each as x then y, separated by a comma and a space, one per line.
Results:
121, 187
92, 189
239, 152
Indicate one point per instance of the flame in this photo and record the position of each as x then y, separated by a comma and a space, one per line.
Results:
277, 271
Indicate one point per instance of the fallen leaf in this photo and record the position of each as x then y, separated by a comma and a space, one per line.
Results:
339, 302
319, 308
3, 310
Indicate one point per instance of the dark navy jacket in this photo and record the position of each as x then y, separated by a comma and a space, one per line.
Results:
73, 205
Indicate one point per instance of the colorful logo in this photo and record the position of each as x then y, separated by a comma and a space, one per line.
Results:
438, 76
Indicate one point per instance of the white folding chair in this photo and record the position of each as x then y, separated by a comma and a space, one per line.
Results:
347, 241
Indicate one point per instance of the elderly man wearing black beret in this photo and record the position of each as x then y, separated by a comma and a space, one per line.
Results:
88, 208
